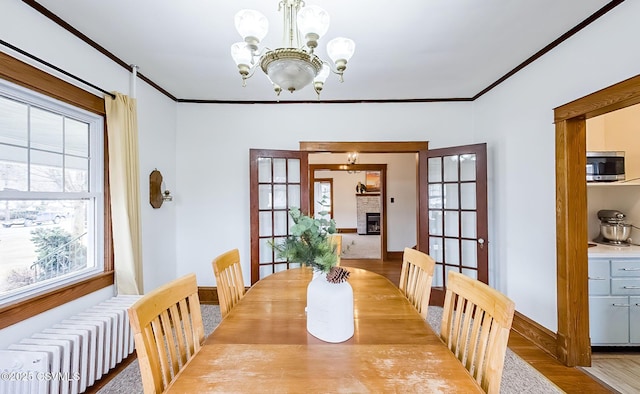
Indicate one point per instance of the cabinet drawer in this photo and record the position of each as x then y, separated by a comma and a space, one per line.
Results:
625, 286
599, 277
625, 268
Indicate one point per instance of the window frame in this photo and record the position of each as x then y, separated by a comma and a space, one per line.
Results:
27, 76
34, 103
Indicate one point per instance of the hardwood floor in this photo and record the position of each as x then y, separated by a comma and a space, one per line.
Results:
388, 269
569, 379
618, 370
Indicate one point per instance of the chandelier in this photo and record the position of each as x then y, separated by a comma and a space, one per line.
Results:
352, 159
293, 66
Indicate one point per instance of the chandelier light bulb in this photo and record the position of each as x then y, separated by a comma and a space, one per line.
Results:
252, 27
340, 48
243, 58
276, 87
313, 23
323, 74
318, 81
241, 53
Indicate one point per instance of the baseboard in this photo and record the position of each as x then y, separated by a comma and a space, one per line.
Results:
347, 230
394, 255
208, 295
540, 336
615, 349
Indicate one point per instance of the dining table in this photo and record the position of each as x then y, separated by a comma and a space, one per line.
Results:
262, 345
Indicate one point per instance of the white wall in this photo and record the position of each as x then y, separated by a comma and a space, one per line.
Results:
516, 120
213, 160
25, 28
157, 139
344, 195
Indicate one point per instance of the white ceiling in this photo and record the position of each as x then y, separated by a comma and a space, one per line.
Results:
406, 49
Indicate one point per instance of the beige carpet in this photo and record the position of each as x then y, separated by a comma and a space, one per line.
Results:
517, 377
356, 246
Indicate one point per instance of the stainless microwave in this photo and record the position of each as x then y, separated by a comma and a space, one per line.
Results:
605, 166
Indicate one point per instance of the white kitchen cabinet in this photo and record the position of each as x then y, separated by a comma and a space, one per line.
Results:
634, 320
609, 320
614, 301
599, 278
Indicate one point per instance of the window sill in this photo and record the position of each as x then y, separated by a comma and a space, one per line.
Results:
25, 309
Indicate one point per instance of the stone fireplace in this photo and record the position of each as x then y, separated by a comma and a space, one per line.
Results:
373, 223
367, 208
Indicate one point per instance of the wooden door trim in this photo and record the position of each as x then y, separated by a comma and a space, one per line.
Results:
573, 342
383, 192
365, 146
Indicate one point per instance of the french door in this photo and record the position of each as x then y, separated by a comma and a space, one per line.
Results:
278, 181
452, 206
452, 226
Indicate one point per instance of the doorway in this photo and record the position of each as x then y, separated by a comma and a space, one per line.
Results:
375, 201
572, 344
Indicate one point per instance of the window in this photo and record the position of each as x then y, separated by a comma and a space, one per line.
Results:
51, 193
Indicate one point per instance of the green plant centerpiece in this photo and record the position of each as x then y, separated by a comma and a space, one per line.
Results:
309, 244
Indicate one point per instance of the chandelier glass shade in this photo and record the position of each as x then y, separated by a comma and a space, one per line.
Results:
294, 65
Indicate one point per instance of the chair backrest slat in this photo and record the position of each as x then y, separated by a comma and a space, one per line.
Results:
229, 280
168, 331
168, 343
475, 325
415, 278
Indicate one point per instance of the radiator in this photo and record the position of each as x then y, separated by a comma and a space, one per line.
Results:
71, 355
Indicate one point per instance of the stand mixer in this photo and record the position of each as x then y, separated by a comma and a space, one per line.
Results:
613, 229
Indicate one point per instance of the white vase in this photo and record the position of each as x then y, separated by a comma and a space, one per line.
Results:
329, 309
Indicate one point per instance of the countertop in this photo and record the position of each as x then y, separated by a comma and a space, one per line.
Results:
608, 251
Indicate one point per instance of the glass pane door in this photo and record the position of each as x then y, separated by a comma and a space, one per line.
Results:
453, 212
278, 182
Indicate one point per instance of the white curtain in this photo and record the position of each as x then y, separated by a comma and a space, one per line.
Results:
124, 182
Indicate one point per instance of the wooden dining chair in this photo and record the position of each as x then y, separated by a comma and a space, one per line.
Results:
475, 325
168, 331
229, 282
415, 278
336, 240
